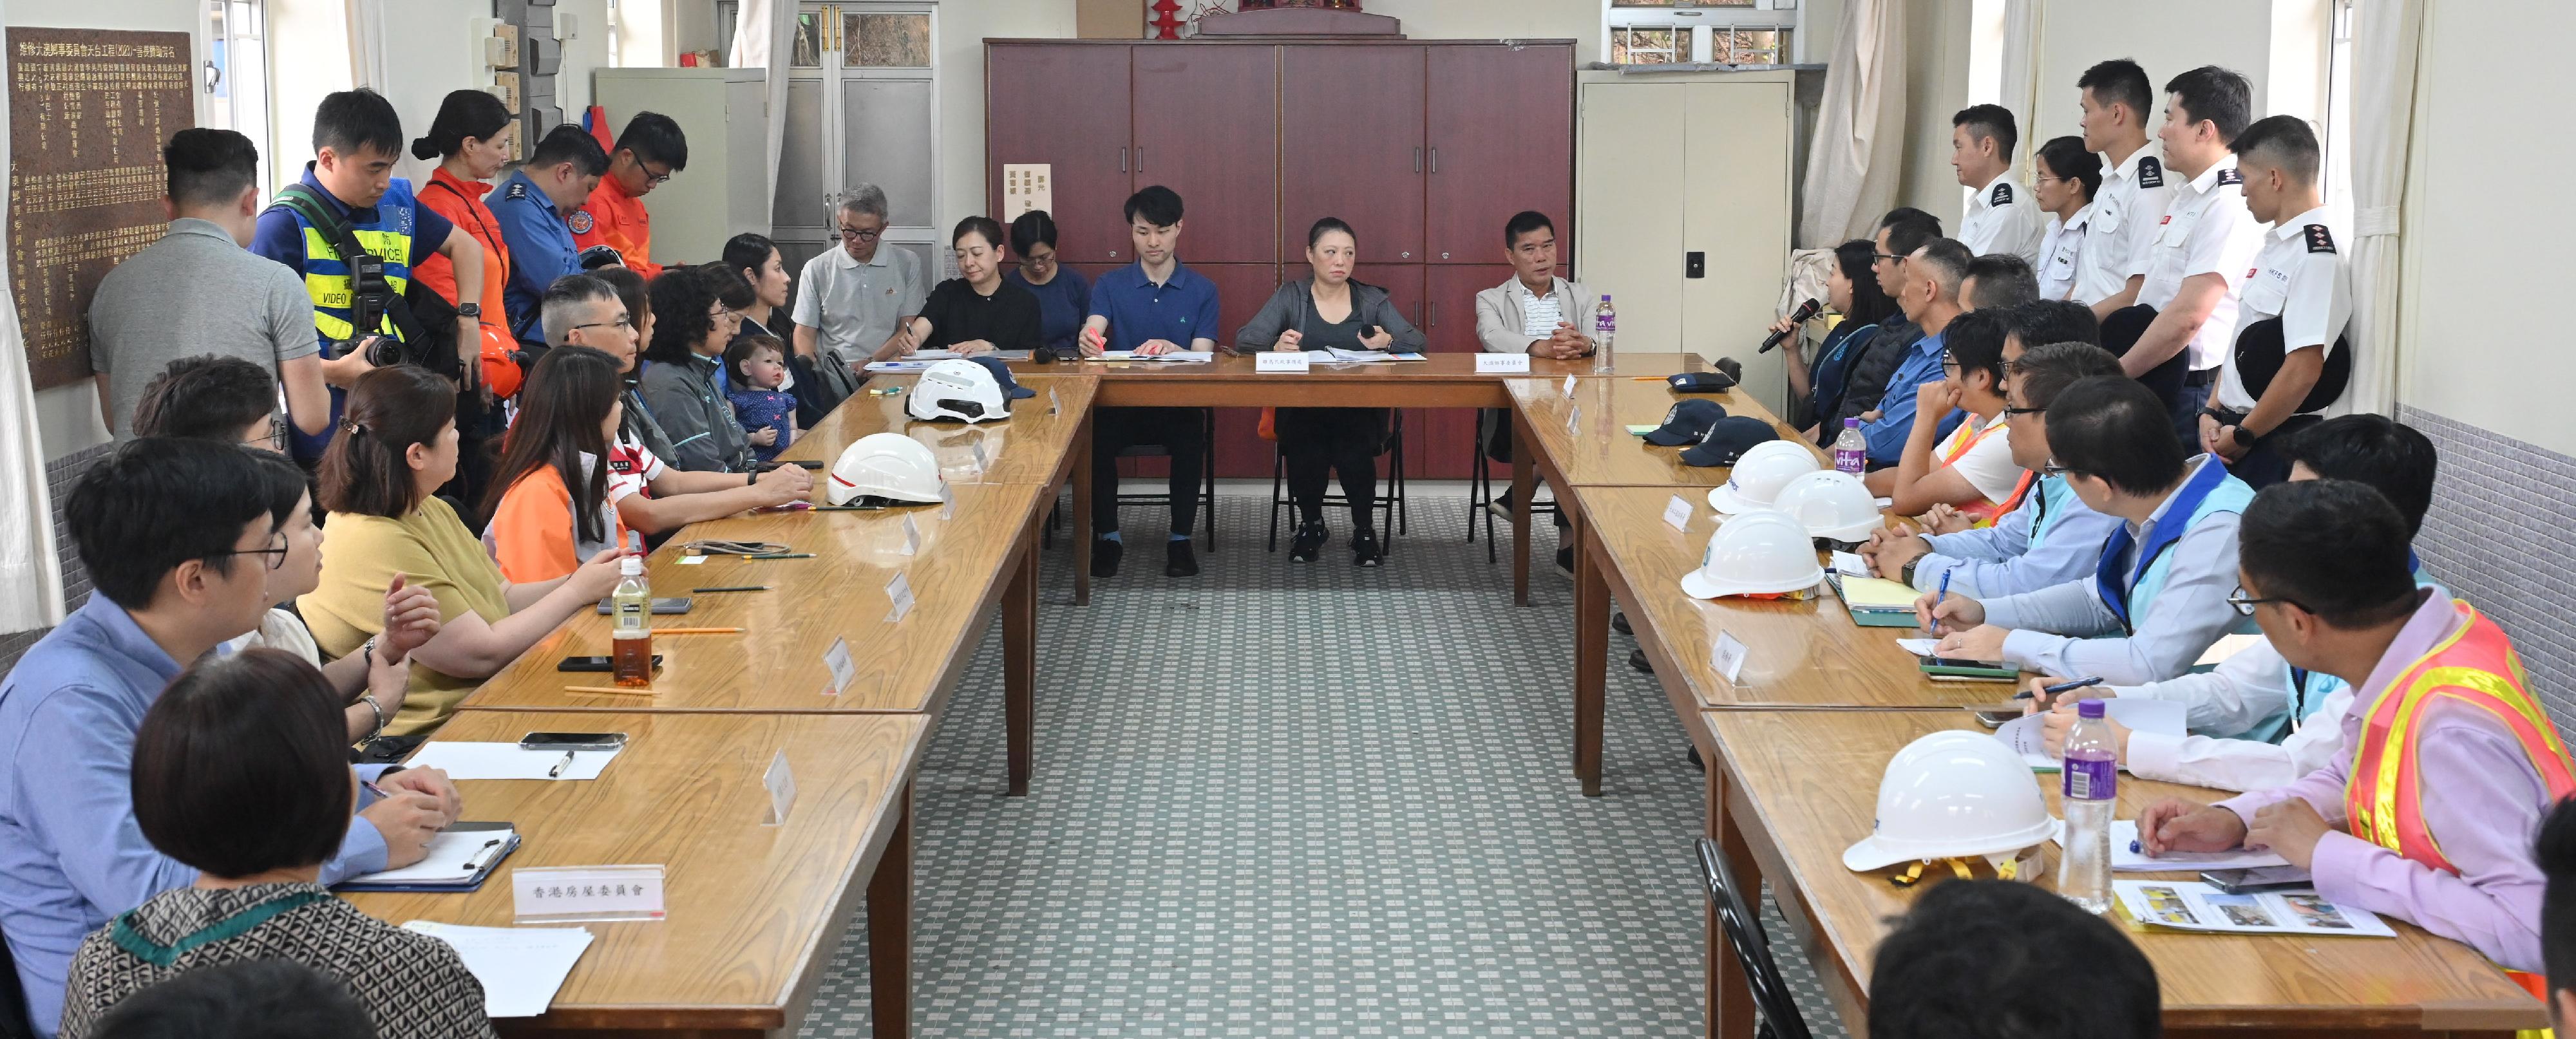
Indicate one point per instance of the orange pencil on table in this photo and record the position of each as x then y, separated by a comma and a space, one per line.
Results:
697, 631
609, 689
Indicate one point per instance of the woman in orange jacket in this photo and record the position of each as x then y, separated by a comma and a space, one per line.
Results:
470, 141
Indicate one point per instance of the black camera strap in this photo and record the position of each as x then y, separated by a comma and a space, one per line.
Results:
306, 203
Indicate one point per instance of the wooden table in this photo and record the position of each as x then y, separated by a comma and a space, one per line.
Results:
1799, 787
755, 911
1601, 451
1441, 380
1801, 655
986, 554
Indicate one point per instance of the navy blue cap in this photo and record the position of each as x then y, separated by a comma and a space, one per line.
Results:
1727, 440
1700, 382
1686, 423
1011, 388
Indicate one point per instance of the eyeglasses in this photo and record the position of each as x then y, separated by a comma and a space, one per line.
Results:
277, 553
652, 179
2044, 180
2245, 604
622, 321
2054, 469
720, 312
1889, 257
2025, 411
1949, 364
864, 236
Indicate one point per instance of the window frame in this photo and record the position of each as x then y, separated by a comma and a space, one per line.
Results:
1702, 22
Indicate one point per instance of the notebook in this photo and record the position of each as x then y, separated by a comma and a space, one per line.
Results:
1876, 602
460, 858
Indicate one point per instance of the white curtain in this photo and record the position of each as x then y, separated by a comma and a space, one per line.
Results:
31, 580
2385, 38
1853, 164
2021, 76
367, 61
764, 36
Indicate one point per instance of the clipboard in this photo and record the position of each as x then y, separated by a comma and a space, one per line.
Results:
464, 833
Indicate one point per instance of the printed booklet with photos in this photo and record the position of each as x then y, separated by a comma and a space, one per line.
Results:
2195, 906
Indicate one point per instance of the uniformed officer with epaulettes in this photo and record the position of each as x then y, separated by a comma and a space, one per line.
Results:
2002, 217
2290, 360
531, 205
2202, 249
2116, 98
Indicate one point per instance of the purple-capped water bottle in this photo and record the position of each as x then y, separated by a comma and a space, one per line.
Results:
1851, 450
2092, 774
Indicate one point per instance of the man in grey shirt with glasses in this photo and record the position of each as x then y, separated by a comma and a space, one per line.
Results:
853, 302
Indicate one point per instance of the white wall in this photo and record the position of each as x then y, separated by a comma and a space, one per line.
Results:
2468, 251
67, 418
2167, 38
1578, 20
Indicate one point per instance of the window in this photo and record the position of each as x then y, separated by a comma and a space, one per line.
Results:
235, 78
1665, 32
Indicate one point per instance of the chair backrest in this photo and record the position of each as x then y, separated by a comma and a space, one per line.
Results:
13, 999
1742, 922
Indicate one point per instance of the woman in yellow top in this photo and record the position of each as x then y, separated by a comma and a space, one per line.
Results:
550, 507
396, 445
1971, 471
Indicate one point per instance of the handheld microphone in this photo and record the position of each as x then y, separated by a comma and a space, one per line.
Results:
1805, 310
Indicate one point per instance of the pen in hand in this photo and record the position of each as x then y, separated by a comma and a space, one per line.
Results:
2060, 689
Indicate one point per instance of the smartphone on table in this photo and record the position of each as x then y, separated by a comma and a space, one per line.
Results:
2260, 879
572, 741
600, 664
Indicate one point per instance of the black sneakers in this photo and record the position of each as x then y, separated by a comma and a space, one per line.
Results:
1365, 551
1178, 560
1104, 556
1309, 541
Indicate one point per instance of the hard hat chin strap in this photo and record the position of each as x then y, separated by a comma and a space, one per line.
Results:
2007, 866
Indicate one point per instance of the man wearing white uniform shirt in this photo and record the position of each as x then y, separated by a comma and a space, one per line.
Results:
2001, 216
2289, 360
2116, 97
2065, 179
2202, 250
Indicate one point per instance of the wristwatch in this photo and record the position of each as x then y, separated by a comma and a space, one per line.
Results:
472, 310
2243, 438
1908, 572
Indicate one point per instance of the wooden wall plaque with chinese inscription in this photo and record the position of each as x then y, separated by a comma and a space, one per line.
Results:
89, 110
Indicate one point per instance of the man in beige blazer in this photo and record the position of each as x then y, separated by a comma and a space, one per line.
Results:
1536, 312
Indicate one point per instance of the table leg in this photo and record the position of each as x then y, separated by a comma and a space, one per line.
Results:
890, 929
1730, 995
1591, 646
1019, 663
1524, 484
1082, 513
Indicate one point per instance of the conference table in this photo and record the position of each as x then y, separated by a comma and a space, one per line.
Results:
1795, 740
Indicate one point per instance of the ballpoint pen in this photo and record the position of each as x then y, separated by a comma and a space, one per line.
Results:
2060, 688
474, 862
557, 771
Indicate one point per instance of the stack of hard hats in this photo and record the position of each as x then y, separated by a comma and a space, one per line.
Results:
957, 388
1757, 553
1759, 475
889, 467
1833, 504
1953, 795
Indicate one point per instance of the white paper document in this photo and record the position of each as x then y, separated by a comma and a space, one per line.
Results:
2194, 906
899, 366
1334, 355
2025, 734
454, 857
507, 761
521, 968
1176, 355
1918, 647
2226, 646
1850, 564
2124, 833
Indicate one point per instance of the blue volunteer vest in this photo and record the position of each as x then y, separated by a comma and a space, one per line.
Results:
2050, 502
2208, 492
387, 234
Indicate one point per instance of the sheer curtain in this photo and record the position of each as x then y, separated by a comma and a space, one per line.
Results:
764, 36
1854, 162
2021, 77
2385, 38
31, 578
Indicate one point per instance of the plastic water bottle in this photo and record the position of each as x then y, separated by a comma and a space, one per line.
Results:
1605, 325
1851, 450
631, 630
2092, 773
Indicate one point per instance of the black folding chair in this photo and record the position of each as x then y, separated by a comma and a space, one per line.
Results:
1207, 490
1494, 444
1390, 501
1738, 915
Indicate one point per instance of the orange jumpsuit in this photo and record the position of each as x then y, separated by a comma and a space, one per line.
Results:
613, 218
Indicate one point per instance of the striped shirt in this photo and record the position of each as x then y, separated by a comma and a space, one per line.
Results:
1539, 314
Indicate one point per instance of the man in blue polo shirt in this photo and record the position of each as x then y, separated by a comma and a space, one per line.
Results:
1153, 306
530, 206
1928, 294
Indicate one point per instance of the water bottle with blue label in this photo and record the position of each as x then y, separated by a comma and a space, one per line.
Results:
2092, 788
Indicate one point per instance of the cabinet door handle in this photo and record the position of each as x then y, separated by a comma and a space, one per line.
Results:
1122, 160
1431, 315
1417, 158
1435, 160
1140, 158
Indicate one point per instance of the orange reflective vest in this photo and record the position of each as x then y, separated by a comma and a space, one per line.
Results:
1984, 513
2476, 667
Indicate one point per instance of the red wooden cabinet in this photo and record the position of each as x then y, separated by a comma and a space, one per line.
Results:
1062, 104
1350, 146
1501, 134
1207, 126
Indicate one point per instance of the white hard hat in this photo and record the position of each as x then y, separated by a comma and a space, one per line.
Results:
1758, 553
1953, 795
1833, 504
1759, 475
884, 465
956, 388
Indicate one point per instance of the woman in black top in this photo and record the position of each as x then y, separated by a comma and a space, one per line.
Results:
1331, 312
977, 312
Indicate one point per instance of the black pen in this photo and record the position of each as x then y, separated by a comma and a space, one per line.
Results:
734, 588
2060, 688
475, 861
560, 766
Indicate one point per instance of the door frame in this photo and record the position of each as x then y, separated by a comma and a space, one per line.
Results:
829, 78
